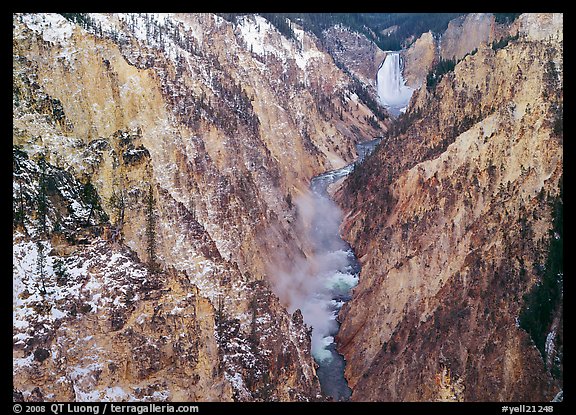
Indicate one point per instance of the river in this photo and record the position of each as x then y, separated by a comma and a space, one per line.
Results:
333, 270
339, 276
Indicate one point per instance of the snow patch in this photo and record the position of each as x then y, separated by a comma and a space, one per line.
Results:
23, 361
549, 345
52, 26
257, 33
57, 314
114, 394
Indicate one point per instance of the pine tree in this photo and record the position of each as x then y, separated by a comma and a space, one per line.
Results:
60, 271
42, 231
41, 267
42, 203
117, 204
19, 214
90, 196
151, 230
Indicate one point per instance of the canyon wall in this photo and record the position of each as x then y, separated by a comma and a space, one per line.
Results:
462, 36
454, 219
158, 164
180, 142
356, 53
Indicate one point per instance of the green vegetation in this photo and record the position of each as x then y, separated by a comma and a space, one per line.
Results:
61, 272
409, 26
90, 196
42, 209
372, 121
438, 71
280, 23
19, 211
117, 204
81, 19
19, 214
364, 95
506, 18
558, 121
151, 231
42, 198
372, 25
441, 68
501, 43
541, 303
445, 66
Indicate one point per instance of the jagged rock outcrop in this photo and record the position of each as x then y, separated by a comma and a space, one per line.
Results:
110, 330
454, 219
192, 134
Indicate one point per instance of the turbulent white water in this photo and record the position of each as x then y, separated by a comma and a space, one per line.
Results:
338, 274
392, 89
319, 283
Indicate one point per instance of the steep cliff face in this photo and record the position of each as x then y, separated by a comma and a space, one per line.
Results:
194, 134
462, 36
419, 58
356, 53
453, 220
107, 329
92, 322
466, 33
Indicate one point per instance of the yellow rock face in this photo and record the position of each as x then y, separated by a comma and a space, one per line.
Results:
466, 33
446, 227
419, 58
223, 134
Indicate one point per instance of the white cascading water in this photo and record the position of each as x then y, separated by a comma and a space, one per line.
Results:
392, 91
336, 270
320, 282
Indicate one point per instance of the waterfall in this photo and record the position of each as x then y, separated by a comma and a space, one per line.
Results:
392, 91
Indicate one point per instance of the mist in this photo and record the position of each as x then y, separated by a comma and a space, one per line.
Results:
315, 281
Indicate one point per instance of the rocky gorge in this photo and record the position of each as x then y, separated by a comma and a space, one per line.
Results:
162, 243
454, 220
